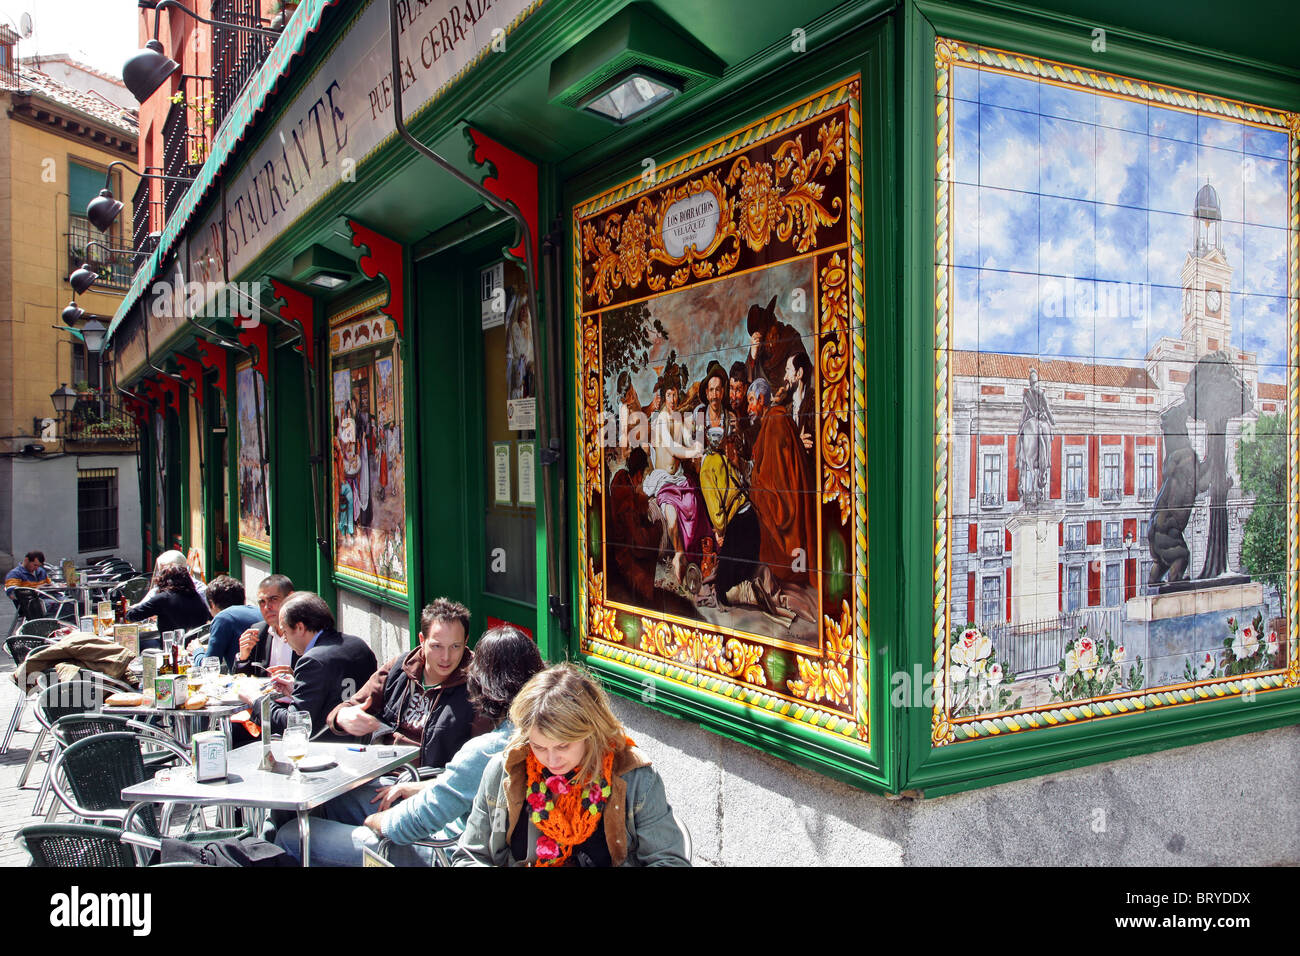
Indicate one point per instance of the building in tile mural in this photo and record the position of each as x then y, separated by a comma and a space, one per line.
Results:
1118, 335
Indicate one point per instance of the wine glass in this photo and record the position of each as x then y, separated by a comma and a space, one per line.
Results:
296, 739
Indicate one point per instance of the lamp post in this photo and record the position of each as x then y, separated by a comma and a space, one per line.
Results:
64, 399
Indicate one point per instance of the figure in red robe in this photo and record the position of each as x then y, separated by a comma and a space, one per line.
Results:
782, 490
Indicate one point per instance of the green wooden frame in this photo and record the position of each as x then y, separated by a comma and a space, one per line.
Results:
867, 51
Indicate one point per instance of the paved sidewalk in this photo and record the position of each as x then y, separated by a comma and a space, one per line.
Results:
15, 804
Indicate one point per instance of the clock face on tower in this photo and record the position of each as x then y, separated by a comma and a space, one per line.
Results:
1213, 300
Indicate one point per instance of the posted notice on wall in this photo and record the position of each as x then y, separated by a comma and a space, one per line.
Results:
492, 296
527, 495
501, 473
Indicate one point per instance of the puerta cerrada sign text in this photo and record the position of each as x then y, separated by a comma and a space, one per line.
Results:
343, 114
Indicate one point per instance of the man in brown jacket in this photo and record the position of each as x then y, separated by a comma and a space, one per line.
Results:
416, 699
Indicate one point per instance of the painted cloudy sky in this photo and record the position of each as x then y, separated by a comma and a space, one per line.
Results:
1054, 183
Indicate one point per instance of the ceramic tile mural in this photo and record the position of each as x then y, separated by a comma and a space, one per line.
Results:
1115, 335
368, 442
721, 418
254, 455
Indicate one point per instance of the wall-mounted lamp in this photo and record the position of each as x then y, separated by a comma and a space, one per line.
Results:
150, 68
72, 313
103, 209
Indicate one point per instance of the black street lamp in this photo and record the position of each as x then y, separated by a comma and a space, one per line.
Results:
150, 68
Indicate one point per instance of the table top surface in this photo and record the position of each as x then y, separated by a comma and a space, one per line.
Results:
217, 709
247, 785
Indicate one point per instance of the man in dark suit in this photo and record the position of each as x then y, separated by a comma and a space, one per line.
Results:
261, 647
331, 666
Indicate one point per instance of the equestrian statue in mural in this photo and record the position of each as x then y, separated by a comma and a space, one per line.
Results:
1034, 445
1214, 394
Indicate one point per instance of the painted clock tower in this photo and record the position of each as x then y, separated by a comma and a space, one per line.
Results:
1207, 309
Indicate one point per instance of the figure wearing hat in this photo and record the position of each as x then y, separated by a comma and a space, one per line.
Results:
771, 343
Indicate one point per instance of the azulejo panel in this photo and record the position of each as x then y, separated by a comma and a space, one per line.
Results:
1107, 529
721, 418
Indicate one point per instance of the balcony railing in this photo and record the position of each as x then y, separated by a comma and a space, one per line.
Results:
991, 499
115, 269
1110, 494
991, 550
1112, 541
1074, 496
146, 219
1073, 544
176, 156
1146, 492
235, 55
99, 417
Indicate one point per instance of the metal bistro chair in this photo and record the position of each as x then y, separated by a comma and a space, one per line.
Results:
60, 699
133, 590
18, 647
74, 845
73, 727
41, 626
90, 775
65, 607
83, 845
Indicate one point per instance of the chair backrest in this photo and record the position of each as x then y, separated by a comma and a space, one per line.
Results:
42, 626
20, 645
74, 727
97, 768
133, 590
65, 697
74, 845
196, 632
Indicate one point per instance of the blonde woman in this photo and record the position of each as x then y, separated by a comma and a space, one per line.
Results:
571, 789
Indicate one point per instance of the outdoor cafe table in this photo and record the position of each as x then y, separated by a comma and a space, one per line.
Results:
181, 720
248, 786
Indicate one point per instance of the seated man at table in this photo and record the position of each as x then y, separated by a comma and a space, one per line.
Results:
504, 660
421, 694
261, 647
330, 666
30, 573
230, 618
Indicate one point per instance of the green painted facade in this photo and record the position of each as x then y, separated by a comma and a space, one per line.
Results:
401, 195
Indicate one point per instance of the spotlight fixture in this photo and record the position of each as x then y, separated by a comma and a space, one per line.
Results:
151, 67
323, 267
632, 63
72, 313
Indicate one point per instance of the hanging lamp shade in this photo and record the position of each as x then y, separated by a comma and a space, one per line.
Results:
148, 70
72, 313
83, 278
102, 210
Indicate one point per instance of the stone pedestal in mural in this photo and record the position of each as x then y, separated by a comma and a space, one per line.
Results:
1035, 555
1169, 631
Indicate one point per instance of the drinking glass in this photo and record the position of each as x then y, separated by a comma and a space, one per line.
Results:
299, 718
211, 670
295, 746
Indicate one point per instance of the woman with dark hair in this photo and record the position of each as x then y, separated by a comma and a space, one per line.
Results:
174, 601
505, 660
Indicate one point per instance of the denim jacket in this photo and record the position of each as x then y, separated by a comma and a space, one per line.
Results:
639, 825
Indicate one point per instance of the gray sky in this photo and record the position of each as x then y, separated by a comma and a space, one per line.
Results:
102, 33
